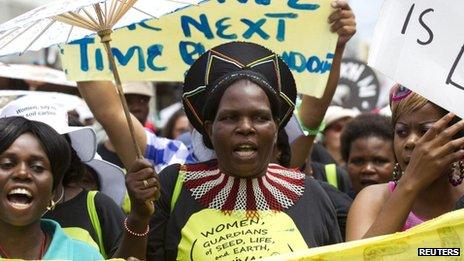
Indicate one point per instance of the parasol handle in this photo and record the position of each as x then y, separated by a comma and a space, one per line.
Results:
105, 36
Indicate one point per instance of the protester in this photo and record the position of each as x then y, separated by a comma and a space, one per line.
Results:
45, 109
237, 112
332, 174
88, 216
335, 120
429, 173
33, 160
367, 149
176, 125
300, 215
161, 152
76, 207
102, 175
138, 95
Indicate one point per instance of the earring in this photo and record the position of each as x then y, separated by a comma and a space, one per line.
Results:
397, 173
456, 179
51, 206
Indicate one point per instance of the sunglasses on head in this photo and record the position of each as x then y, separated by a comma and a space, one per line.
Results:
398, 93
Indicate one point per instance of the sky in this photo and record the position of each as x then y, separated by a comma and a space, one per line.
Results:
367, 12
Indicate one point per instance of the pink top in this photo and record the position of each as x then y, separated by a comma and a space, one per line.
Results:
412, 219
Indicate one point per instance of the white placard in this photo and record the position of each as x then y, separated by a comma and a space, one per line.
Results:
420, 45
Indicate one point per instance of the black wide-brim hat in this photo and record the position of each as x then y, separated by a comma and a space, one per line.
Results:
232, 58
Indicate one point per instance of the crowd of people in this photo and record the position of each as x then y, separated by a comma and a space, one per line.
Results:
226, 178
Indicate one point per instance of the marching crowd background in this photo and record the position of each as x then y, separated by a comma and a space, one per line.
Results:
73, 188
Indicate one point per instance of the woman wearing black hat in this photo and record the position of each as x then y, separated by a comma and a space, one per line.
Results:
238, 95
240, 206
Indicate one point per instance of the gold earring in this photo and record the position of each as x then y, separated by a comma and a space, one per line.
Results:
397, 173
456, 179
51, 206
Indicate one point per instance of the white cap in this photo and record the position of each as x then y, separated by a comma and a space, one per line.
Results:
335, 113
111, 178
141, 88
44, 109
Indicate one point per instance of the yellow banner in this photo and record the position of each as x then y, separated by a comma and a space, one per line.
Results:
439, 237
163, 49
8, 259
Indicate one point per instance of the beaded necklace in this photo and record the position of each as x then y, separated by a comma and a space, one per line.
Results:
279, 189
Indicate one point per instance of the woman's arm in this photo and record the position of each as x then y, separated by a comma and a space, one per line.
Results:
143, 187
377, 211
103, 101
312, 110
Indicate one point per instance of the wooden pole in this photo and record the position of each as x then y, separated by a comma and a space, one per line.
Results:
105, 36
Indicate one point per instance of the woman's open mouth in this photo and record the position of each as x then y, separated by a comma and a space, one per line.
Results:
20, 198
245, 151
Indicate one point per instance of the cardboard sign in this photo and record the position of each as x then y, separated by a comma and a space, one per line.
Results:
163, 49
358, 86
419, 44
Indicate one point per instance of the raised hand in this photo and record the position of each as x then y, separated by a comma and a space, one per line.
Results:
342, 21
434, 153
